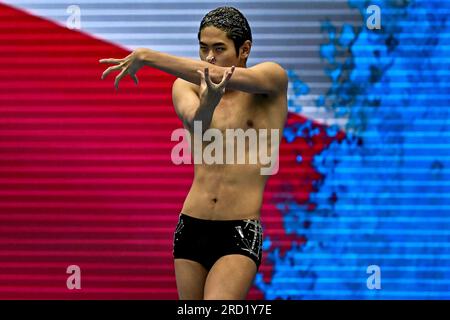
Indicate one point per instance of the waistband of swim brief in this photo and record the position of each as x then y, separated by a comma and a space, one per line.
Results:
186, 217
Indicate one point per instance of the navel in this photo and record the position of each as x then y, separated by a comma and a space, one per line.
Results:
250, 123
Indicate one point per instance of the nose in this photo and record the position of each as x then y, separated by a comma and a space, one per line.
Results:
210, 59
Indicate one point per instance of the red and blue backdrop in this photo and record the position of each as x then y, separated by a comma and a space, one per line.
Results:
86, 177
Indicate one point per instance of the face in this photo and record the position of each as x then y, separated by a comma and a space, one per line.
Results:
218, 49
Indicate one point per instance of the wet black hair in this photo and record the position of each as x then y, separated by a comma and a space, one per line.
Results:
230, 20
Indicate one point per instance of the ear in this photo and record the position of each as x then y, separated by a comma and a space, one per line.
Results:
245, 49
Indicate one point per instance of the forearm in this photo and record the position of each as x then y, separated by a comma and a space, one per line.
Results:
184, 68
203, 114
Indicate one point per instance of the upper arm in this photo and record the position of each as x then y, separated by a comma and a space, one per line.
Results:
264, 78
185, 100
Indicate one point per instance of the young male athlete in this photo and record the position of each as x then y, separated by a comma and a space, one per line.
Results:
218, 238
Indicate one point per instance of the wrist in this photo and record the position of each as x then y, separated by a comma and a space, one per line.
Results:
209, 102
143, 55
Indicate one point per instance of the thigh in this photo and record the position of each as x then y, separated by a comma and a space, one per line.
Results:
230, 278
190, 277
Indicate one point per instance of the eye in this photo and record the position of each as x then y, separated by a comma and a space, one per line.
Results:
220, 49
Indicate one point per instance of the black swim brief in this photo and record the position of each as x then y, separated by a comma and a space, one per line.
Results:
205, 241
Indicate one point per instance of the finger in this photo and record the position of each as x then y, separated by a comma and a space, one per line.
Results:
108, 71
128, 56
135, 78
119, 77
207, 78
227, 76
110, 60
202, 76
202, 84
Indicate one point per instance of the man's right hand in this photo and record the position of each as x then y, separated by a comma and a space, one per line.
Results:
211, 93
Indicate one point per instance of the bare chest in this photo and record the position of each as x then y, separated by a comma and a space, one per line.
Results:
241, 110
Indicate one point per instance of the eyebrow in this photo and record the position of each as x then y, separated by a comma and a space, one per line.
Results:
214, 45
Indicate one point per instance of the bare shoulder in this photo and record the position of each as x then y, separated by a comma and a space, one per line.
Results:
273, 72
272, 67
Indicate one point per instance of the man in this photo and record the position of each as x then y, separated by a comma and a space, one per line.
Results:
218, 239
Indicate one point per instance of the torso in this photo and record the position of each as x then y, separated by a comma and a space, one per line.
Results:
235, 191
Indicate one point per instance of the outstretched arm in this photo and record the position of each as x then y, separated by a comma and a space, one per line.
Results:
265, 78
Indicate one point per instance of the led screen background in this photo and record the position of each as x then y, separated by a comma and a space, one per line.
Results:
86, 177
